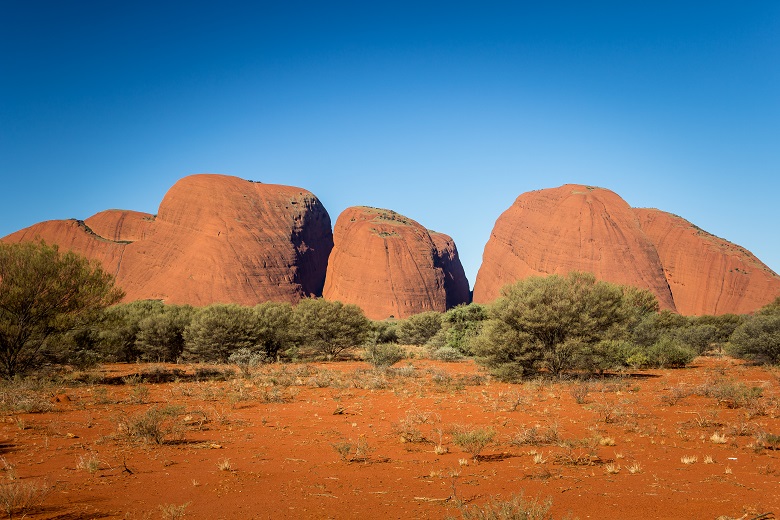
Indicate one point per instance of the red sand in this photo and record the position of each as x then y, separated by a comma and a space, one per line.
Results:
283, 463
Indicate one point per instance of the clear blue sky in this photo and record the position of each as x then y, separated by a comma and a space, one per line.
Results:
442, 111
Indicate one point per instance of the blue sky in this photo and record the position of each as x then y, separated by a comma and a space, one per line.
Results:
442, 111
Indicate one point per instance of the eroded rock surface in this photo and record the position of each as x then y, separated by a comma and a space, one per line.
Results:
390, 265
215, 238
707, 275
570, 228
583, 228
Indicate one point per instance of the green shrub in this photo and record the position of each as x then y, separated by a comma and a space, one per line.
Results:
385, 331
383, 355
155, 425
218, 330
246, 359
273, 329
160, 336
669, 352
325, 329
758, 339
419, 328
473, 440
447, 354
700, 337
649, 329
552, 322
460, 326
44, 294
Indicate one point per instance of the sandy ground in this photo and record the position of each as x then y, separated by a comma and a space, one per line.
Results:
339, 440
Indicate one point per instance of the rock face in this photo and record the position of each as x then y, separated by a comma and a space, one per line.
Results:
707, 275
570, 228
390, 265
583, 228
121, 225
215, 239
456, 285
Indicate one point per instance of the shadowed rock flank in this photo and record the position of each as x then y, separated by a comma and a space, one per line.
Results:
215, 238
707, 275
390, 265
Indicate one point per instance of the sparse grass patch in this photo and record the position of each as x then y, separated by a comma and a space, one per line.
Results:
172, 511
537, 436
473, 440
19, 498
21, 396
718, 438
689, 459
89, 463
352, 451
516, 508
155, 425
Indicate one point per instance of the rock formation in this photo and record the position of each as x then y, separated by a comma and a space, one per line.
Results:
215, 239
390, 265
456, 285
583, 228
707, 275
570, 228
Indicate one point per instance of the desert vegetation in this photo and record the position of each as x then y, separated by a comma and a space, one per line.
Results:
564, 390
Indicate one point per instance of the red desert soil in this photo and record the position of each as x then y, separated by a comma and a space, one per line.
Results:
215, 238
584, 228
390, 265
268, 446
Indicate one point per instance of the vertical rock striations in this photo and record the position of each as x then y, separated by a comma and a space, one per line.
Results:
707, 275
390, 265
570, 228
215, 238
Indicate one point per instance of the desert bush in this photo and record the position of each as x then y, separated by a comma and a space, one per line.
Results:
447, 354
385, 331
172, 511
155, 425
419, 328
473, 440
732, 394
383, 355
537, 436
758, 339
460, 326
44, 294
119, 326
516, 508
325, 329
160, 336
550, 322
724, 324
19, 498
669, 352
699, 337
648, 330
352, 451
22, 396
246, 359
273, 329
218, 330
